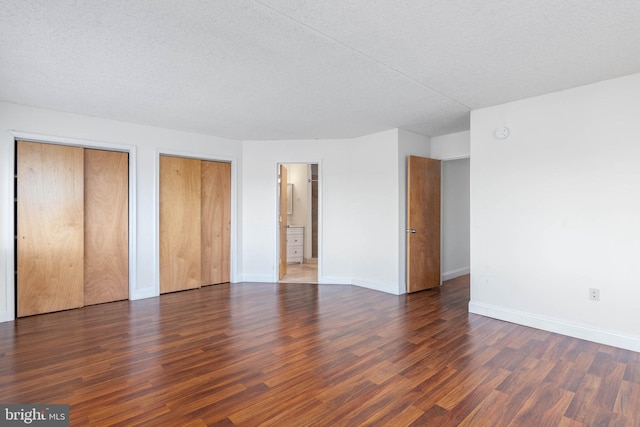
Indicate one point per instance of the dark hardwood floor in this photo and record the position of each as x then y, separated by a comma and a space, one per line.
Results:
295, 354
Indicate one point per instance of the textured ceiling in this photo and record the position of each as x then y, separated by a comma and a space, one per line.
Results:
284, 69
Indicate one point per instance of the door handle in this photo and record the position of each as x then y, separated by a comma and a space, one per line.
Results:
411, 230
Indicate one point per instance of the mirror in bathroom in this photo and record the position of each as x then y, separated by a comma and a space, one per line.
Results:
289, 199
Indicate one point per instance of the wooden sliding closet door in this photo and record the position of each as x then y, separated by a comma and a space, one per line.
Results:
216, 222
106, 236
180, 224
50, 217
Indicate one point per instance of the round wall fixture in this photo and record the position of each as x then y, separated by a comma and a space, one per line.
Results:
502, 133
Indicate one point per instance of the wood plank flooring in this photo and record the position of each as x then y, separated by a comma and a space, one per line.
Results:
297, 354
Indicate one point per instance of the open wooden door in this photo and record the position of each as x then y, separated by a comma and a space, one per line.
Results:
423, 223
282, 221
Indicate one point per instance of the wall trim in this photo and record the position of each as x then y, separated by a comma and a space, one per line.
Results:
257, 278
142, 294
448, 275
5, 316
389, 288
575, 330
334, 280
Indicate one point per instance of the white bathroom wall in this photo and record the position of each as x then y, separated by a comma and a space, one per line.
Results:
555, 211
146, 143
297, 175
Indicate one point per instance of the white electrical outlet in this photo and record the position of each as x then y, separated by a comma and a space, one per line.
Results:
594, 294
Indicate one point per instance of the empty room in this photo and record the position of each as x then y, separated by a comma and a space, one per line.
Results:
270, 212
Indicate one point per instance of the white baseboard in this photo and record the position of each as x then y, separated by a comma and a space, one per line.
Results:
258, 278
601, 336
143, 293
334, 280
376, 286
448, 275
6, 316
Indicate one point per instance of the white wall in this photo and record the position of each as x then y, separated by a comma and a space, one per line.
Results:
555, 210
260, 160
451, 146
455, 218
147, 142
358, 219
374, 212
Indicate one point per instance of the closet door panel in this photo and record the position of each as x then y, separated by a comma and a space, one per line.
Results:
180, 219
50, 217
216, 222
106, 238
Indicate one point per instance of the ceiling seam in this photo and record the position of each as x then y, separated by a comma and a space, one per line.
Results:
361, 53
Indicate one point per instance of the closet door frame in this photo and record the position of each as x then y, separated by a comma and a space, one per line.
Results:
233, 225
72, 142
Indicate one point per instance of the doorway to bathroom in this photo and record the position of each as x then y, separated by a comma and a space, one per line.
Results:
298, 218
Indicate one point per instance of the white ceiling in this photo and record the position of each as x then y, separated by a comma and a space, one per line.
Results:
285, 69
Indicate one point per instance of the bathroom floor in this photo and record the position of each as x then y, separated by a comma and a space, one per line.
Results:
302, 273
